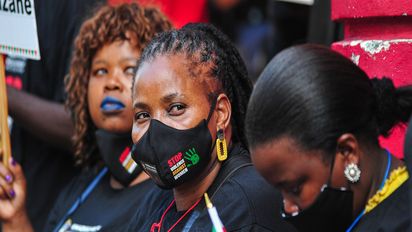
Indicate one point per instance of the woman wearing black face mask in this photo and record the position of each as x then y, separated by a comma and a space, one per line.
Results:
316, 140
189, 96
111, 186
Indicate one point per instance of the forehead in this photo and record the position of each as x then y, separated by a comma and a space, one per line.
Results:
168, 74
117, 49
282, 160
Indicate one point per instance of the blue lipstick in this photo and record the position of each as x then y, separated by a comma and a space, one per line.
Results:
110, 104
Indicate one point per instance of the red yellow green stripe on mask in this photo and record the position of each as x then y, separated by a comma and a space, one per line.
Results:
127, 161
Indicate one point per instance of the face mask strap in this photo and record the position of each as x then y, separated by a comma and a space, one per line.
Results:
331, 171
212, 107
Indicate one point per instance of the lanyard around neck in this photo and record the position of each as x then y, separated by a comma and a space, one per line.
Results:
159, 225
82, 198
388, 167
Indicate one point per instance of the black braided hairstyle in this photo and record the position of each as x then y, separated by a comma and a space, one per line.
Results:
205, 46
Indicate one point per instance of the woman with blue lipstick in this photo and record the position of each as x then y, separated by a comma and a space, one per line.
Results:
111, 187
111, 105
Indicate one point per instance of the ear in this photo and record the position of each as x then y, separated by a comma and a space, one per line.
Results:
348, 150
223, 111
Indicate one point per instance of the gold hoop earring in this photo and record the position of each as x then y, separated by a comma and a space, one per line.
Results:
221, 146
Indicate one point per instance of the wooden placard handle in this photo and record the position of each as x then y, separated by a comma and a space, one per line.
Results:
4, 127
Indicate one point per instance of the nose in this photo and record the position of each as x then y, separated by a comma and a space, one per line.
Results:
290, 207
113, 81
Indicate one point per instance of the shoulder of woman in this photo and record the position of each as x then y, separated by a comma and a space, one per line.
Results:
67, 197
245, 199
392, 214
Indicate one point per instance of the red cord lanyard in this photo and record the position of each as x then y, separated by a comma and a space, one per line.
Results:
158, 225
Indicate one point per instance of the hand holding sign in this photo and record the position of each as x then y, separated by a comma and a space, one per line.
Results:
12, 198
18, 21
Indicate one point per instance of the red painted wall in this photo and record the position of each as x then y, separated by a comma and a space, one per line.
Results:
378, 38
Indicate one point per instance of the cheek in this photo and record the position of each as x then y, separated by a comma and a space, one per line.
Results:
127, 100
312, 187
310, 191
338, 178
127, 86
126, 121
94, 98
138, 131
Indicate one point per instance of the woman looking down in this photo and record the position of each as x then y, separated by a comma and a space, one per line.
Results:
313, 124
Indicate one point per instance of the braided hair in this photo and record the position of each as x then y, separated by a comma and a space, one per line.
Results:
209, 49
109, 24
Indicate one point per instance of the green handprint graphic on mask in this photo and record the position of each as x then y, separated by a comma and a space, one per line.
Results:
192, 156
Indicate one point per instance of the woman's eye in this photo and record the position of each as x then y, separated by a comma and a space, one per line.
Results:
295, 189
140, 117
100, 72
130, 70
177, 109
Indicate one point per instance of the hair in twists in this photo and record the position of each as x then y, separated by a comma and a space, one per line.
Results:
205, 46
109, 24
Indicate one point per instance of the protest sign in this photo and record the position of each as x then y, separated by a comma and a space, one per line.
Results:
18, 38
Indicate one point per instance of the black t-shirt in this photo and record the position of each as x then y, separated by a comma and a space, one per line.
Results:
105, 209
244, 202
393, 214
47, 169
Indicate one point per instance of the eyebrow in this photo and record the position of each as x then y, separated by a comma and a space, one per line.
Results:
166, 99
170, 97
129, 59
140, 105
99, 62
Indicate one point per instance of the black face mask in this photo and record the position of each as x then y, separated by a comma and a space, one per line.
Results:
116, 154
172, 157
332, 211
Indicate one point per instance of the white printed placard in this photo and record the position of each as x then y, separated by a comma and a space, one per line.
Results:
18, 29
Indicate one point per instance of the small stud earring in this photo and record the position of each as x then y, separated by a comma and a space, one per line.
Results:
352, 172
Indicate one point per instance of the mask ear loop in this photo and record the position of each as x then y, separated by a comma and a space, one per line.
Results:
212, 108
348, 187
328, 183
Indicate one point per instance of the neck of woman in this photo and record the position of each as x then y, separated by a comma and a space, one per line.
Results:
380, 160
189, 193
